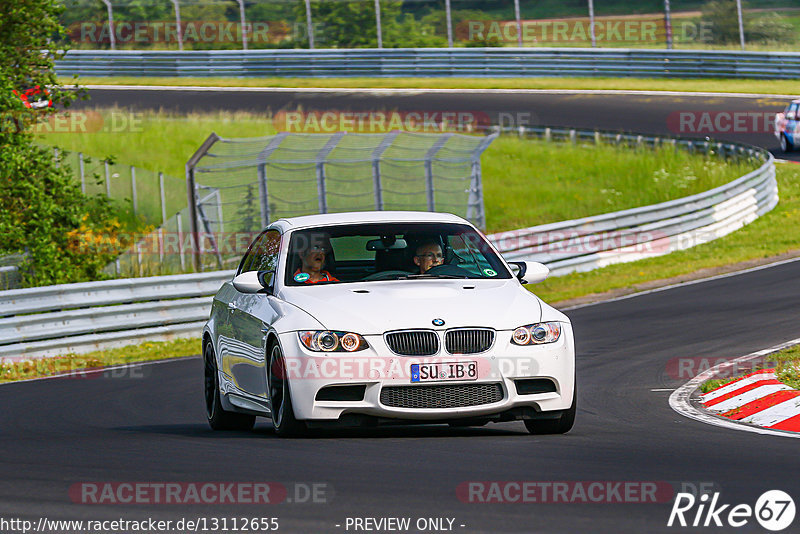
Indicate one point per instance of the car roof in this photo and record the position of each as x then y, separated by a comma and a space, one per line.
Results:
359, 217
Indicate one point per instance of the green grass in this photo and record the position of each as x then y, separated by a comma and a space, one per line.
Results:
526, 182
721, 85
76, 364
785, 362
529, 182
775, 233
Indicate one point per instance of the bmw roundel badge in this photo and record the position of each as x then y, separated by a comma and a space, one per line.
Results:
438, 322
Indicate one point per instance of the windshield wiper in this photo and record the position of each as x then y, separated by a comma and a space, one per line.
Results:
426, 275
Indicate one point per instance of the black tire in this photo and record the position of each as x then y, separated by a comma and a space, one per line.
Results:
786, 145
562, 425
218, 418
283, 420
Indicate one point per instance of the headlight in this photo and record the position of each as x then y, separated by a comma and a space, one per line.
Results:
330, 341
536, 334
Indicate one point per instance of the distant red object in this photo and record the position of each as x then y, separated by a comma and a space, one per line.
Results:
35, 98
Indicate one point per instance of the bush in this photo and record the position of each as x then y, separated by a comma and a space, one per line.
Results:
42, 209
722, 17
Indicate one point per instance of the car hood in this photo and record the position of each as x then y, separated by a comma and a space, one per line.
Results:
376, 307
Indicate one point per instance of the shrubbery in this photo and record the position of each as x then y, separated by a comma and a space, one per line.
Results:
42, 209
722, 18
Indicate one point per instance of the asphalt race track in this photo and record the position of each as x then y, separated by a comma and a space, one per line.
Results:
658, 114
147, 424
151, 427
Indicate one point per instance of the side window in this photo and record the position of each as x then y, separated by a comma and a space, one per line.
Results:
263, 255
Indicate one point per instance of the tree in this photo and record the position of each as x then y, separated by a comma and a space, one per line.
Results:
351, 24
42, 210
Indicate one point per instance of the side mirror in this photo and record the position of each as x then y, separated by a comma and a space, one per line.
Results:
530, 272
254, 281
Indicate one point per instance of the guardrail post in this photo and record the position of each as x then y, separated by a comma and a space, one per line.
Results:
548, 134
573, 136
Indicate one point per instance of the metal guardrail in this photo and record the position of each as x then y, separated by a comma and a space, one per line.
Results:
53, 320
405, 62
592, 242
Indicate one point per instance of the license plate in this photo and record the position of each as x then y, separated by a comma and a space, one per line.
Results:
444, 371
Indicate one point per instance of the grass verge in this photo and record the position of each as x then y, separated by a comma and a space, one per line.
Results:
526, 182
711, 85
787, 370
773, 234
77, 364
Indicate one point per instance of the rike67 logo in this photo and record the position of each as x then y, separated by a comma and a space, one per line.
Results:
774, 510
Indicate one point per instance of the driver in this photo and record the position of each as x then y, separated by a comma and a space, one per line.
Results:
312, 258
428, 255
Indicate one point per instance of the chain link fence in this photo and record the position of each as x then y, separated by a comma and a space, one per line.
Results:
238, 186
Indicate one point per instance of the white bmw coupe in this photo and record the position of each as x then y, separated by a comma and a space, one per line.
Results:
371, 318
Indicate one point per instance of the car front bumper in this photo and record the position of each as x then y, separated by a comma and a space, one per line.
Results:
494, 391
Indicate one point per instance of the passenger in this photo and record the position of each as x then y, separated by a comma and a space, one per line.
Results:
428, 254
312, 258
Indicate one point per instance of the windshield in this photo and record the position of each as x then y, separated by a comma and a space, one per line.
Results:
390, 251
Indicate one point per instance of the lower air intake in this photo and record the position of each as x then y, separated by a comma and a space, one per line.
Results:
434, 397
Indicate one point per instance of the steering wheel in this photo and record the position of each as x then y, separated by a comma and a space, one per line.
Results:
385, 275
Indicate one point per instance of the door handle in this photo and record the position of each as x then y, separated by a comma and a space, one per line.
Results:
231, 306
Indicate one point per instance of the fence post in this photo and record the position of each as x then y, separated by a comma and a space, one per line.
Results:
163, 216
263, 190
429, 189
263, 194
83, 176
309, 26
388, 139
111, 24
475, 207
179, 218
378, 22
108, 180
133, 190
191, 194
449, 24
322, 155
